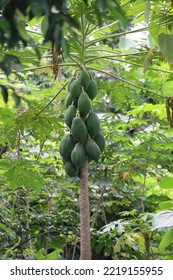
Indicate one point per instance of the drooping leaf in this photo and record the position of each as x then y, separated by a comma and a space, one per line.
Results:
165, 44
167, 240
154, 31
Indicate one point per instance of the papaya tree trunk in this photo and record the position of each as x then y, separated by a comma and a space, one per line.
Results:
85, 243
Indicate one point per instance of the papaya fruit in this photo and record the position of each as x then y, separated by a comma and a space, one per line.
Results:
92, 124
100, 140
92, 149
75, 89
78, 155
70, 82
68, 100
85, 78
84, 104
92, 89
70, 115
91, 76
71, 169
79, 130
66, 145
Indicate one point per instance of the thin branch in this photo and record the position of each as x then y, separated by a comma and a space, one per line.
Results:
76, 63
93, 42
103, 27
41, 67
128, 62
32, 237
115, 53
33, 69
126, 82
51, 100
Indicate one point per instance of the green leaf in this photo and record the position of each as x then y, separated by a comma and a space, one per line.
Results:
165, 205
7, 229
165, 44
154, 31
136, 9
45, 25
22, 31
54, 255
167, 239
117, 11
4, 25
166, 183
167, 88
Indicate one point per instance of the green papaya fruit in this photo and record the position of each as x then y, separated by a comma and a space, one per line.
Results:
70, 82
84, 104
75, 89
100, 140
70, 115
66, 145
92, 89
79, 130
71, 169
85, 78
78, 155
91, 76
92, 124
68, 100
92, 149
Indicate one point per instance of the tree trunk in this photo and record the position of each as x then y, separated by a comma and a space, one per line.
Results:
85, 243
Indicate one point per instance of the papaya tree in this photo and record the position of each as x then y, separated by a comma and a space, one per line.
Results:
97, 68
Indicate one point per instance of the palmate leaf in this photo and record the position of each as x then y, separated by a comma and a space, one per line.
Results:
21, 173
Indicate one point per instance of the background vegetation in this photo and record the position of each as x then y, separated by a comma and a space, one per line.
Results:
128, 48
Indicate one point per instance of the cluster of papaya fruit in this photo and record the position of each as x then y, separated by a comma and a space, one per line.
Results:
85, 138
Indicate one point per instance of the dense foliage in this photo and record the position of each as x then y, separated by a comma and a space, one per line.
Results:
127, 45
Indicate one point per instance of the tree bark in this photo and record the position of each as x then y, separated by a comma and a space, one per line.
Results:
85, 242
